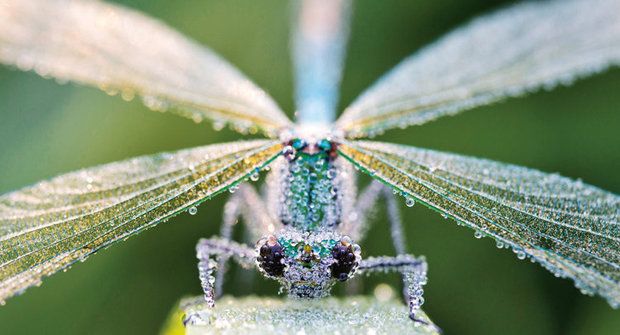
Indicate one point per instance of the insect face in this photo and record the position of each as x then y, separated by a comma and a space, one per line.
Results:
307, 264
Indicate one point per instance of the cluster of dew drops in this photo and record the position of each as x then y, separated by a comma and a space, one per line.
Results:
521, 254
254, 176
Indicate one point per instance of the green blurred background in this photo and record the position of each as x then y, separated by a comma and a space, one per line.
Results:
47, 129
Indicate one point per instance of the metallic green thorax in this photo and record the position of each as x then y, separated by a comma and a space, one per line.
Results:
311, 192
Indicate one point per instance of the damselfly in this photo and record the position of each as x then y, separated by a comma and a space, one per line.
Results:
309, 221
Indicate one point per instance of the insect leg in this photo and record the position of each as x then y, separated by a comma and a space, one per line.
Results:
230, 216
245, 203
364, 207
255, 212
209, 251
413, 271
357, 225
396, 223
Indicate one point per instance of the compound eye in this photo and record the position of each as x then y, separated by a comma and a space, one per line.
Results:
270, 256
325, 145
345, 261
298, 144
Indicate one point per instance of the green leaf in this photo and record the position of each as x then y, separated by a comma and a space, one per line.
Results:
266, 315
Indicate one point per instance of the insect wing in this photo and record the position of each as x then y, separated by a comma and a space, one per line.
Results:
122, 51
526, 47
48, 226
569, 227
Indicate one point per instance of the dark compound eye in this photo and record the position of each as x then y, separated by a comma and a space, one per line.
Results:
344, 261
270, 257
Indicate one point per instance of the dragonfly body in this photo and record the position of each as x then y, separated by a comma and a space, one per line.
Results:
306, 237
311, 190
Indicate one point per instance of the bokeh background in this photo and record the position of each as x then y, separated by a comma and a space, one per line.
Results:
474, 288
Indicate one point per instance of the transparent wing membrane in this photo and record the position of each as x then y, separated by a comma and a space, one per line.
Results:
319, 43
48, 226
122, 51
526, 47
569, 227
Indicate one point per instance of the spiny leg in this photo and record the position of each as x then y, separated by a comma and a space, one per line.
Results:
231, 214
357, 224
364, 211
413, 271
364, 208
207, 250
244, 203
396, 223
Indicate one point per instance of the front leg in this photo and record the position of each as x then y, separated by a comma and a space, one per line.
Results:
247, 204
413, 272
209, 251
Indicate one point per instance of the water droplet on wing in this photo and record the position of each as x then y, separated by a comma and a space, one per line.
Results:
254, 176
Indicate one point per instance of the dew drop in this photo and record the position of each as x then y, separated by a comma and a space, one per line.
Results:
478, 235
154, 103
499, 244
218, 125
197, 118
111, 92
127, 95
409, 202
254, 176
192, 210
520, 255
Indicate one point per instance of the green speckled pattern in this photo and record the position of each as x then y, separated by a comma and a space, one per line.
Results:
311, 195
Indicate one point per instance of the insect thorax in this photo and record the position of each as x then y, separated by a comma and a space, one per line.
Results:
311, 186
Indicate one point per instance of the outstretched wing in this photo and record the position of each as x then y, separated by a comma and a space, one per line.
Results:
532, 45
122, 51
47, 227
569, 227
